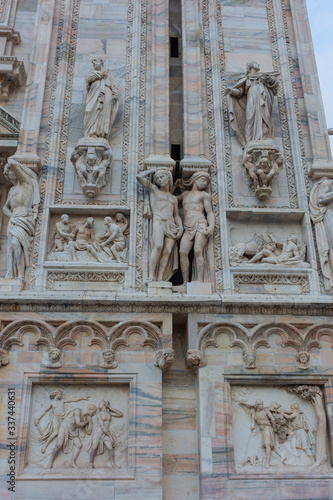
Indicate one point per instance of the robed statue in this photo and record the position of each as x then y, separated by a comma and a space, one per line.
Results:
251, 104
102, 102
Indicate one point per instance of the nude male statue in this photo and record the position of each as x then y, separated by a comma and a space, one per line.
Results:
167, 225
263, 418
21, 208
102, 436
84, 239
69, 430
113, 240
198, 224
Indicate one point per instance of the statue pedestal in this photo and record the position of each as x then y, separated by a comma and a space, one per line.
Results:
159, 288
92, 159
11, 285
198, 288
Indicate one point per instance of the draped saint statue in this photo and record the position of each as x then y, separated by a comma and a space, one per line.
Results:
102, 102
251, 104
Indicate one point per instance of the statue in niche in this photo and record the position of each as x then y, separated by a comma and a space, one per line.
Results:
92, 163
102, 436
287, 253
21, 207
263, 418
251, 106
56, 417
321, 203
92, 156
62, 234
113, 240
199, 222
303, 360
167, 225
84, 240
68, 437
108, 359
102, 102
54, 358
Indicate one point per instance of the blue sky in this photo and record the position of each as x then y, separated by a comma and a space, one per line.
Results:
321, 22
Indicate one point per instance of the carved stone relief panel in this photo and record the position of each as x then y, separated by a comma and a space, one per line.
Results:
266, 243
279, 430
78, 429
89, 239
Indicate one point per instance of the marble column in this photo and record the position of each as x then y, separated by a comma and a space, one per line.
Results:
194, 157
160, 144
322, 158
34, 95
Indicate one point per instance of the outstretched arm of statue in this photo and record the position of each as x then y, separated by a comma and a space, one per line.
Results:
326, 193
16, 167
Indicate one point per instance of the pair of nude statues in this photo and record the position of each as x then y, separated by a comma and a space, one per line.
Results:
167, 226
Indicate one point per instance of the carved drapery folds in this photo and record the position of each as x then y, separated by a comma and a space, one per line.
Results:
109, 340
250, 107
250, 340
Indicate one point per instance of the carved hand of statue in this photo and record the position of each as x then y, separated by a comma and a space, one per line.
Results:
86, 399
36, 421
207, 231
233, 92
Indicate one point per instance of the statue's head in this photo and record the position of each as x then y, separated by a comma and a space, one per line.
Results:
54, 355
102, 405
201, 179
259, 404
252, 65
292, 238
91, 410
56, 394
98, 63
249, 359
65, 218
120, 217
163, 177
90, 222
107, 220
4, 360
108, 356
8, 173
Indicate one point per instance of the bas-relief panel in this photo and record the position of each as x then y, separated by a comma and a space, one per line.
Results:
279, 430
78, 429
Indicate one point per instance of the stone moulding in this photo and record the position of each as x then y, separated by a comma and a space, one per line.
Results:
79, 276
271, 279
55, 339
250, 339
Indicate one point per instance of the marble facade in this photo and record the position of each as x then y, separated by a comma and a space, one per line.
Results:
165, 275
